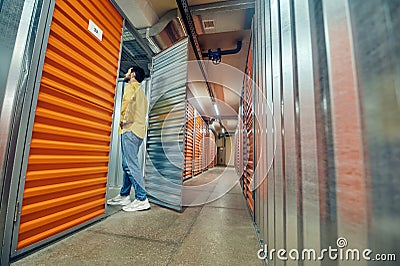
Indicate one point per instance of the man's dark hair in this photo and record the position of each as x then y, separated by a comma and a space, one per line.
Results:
139, 73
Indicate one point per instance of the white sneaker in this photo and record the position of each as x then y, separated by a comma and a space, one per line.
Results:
137, 205
119, 200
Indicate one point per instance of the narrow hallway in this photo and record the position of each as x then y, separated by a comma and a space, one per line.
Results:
217, 233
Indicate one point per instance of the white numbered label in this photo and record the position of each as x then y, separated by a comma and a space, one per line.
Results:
93, 28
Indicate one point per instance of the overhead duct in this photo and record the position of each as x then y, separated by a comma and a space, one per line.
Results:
140, 45
166, 32
139, 12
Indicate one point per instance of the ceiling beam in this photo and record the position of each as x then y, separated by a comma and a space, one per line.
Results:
231, 5
190, 29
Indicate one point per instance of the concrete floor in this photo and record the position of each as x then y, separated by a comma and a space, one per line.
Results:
217, 233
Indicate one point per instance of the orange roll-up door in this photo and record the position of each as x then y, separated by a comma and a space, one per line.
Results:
68, 160
187, 172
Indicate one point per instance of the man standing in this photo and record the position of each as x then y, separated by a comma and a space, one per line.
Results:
132, 130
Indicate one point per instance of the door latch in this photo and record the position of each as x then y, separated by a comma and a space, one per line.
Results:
16, 213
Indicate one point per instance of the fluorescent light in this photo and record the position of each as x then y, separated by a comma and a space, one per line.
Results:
216, 109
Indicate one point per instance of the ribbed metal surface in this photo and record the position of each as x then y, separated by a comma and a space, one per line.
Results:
238, 145
329, 133
189, 142
247, 137
10, 15
211, 149
67, 168
290, 163
198, 151
165, 136
277, 99
204, 147
374, 196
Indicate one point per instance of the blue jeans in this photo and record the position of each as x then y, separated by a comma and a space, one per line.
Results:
130, 144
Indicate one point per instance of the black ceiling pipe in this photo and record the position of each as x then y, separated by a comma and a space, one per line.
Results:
226, 52
233, 51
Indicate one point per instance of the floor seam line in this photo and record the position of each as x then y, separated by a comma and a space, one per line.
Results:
185, 236
228, 208
169, 242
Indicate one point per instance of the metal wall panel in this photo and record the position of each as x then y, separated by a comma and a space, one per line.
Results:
308, 134
10, 17
289, 125
271, 142
258, 203
115, 172
290, 216
66, 175
375, 37
263, 163
165, 135
331, 74
277, 106
351, 194
20, 86
269, 232
325, 145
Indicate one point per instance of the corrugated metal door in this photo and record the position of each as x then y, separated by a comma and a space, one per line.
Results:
189, 142
166, 131
198, 147
248, 135
66, 177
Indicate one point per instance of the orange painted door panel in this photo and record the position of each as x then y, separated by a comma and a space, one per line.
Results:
187, 172
66, 178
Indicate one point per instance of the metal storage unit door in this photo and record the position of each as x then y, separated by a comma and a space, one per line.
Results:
66, 176
189, 142
165, 161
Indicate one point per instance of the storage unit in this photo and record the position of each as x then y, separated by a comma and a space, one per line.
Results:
245, 139
64, 107
189, 142
198, 151
64, 143
200, 148
319, 141
165, 162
